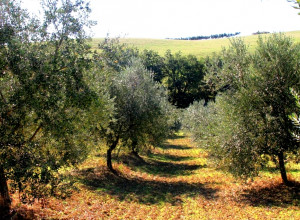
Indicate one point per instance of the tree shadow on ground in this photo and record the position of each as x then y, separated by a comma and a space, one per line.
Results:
140, 190
174, 137
168, 157
274, 195
276, 170
174, 147
20, 213
153, 166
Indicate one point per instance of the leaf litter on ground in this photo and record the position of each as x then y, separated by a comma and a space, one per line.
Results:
174, 181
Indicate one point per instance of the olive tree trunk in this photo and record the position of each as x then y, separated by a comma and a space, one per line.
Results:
109, 156
4, 195
282, 169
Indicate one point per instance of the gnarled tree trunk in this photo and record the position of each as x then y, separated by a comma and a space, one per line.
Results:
4, 195
134, 149
109, 157
282, 169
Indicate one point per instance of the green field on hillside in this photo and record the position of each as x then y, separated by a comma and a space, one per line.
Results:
199, 48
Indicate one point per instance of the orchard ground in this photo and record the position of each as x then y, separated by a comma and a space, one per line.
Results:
173, 181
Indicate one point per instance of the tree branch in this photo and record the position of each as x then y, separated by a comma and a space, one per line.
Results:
5, 102
35, 133
2, 96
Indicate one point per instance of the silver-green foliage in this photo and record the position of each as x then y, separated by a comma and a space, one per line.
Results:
141, 110
44, 93
254, 102
197, 120
295, 117
217, 128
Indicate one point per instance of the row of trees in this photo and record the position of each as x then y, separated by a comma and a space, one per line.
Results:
58, 98
249, 123
261, 32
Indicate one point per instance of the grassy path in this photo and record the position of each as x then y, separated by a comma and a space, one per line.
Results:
173, 181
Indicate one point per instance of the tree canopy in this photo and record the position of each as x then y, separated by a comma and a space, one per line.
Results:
141, 111
250, 117
43, 92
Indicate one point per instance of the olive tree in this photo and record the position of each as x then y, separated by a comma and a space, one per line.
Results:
141, 111
252, 113
294, 117
43, 93
277, 67
197, 119
115, 55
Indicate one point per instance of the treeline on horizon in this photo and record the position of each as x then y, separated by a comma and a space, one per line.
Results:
213, 36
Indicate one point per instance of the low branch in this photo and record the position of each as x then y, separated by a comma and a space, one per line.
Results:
5, 102
35, 133
2, 97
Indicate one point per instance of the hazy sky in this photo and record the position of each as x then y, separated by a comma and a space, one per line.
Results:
184, 18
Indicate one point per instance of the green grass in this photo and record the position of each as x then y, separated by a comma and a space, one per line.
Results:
200, 49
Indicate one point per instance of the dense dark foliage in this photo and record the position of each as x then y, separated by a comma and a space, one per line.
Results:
184, 79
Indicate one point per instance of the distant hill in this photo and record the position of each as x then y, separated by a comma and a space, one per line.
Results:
200, 49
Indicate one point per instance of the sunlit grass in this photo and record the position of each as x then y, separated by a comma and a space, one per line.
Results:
200, 48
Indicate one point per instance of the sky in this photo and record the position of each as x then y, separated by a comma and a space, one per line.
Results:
186, 18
